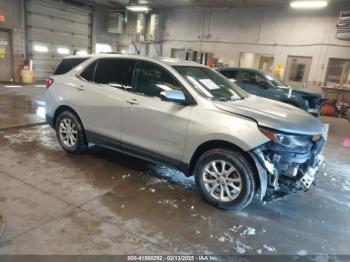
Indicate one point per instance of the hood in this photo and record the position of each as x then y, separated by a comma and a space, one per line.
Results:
275, 115
308, 92
303, 91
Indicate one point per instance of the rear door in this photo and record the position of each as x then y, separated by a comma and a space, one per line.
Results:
152, 126
99, 98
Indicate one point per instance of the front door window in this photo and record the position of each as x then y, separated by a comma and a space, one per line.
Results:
151, 80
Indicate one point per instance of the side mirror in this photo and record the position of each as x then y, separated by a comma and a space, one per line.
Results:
175, 96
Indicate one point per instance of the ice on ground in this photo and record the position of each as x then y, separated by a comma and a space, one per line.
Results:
268, 248
222, 239
346, 185
248, 231
302, 252
171, 203
241, 247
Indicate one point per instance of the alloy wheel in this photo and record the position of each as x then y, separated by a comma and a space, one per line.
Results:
68, 132
222, 180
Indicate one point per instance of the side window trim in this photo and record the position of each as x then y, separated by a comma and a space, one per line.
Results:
83, 70
74, 62
93, 74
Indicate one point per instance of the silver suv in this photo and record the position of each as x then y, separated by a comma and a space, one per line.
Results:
187, 116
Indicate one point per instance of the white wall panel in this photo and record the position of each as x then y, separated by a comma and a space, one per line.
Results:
55, 24
279, 31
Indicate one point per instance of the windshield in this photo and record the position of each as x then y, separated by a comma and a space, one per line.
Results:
211, 84
275, 81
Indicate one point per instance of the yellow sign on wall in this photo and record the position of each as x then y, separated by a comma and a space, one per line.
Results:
278, 70
2, 52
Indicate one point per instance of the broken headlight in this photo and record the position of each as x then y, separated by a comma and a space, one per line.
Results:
287, 140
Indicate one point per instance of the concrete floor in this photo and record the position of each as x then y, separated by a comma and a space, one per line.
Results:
106, 203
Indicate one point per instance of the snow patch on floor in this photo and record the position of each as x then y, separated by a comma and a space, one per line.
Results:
269, 248
168, 202
346, 185
240, 247
42, 135
248, 231
302, 252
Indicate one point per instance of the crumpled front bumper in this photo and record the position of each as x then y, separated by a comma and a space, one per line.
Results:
283, 170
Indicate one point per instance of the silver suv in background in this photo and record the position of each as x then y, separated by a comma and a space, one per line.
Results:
187, 116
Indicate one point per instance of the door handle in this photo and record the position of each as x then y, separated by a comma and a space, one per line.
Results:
132, 101
80, 88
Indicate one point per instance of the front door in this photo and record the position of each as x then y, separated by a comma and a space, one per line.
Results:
152, 126
5, 57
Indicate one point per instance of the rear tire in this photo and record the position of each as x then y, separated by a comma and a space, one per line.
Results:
225, 179
70, 133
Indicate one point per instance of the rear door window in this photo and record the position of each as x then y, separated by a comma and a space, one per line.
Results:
68, 64
113, 72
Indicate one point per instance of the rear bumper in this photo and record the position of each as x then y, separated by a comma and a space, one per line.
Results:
49, 120
288, 170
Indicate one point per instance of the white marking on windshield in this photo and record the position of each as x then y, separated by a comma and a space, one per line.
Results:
209, 84
199, 86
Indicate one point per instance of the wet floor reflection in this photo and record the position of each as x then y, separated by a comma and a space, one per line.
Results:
20, 110
163, 206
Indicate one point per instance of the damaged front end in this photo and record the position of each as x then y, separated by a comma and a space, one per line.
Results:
288, 163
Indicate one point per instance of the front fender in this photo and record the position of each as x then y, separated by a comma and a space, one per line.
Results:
262, 173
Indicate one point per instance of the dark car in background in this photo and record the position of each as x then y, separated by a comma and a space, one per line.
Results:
263, 84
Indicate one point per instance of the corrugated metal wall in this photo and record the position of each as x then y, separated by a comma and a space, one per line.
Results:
55, 24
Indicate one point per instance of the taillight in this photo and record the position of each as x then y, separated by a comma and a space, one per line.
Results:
48, 82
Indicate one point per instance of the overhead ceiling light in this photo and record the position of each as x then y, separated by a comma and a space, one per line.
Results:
41, 48
102, 48
63, 51
81, 52
308, 4
138, 8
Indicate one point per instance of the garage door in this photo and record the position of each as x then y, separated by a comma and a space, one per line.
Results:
55, 29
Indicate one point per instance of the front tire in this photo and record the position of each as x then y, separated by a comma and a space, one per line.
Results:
70, 133
225, 179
